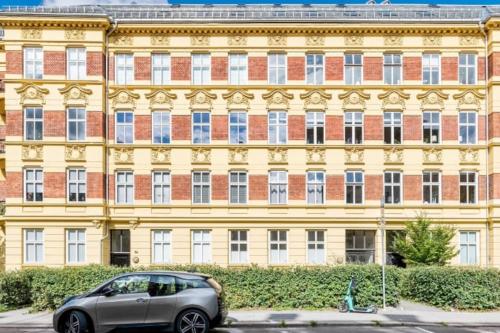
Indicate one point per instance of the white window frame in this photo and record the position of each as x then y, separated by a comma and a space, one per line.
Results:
468, 184
353, 67
33, 120
431, 184
126, 185
76, 243
392, 125
278, 242
468, 244
467, 125
164, 69
35, 183
279, 127
315, 120
467, 66
161, 126
243, 256
432, 125
162, 185
315, 68
166, 258
238, 185
127, 67
315, 243
277, 67
206, 258
202, 124
392, 65
122, 127
315, 184
355, 184
37, 243
241, 68
77, 184
279, 184
238, 125
352, 125
392, 184
202, 185
204, 68
79, 62
31, 65
431, 68
77, 122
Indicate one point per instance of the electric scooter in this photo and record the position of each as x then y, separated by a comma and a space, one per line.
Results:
348, 304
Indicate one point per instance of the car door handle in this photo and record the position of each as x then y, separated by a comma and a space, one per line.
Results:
141, 300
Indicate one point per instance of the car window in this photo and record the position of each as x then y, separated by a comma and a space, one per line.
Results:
162, 285
183, 284
131, 284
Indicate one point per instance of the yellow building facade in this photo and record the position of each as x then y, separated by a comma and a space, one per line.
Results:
239, 135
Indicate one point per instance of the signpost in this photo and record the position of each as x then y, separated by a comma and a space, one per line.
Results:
382, 233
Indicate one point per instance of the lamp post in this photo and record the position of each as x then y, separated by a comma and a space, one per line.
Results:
382, 234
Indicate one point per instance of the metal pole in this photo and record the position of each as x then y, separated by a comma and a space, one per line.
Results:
382, 230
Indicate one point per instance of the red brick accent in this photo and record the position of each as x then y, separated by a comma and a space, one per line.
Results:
181, 68
296, 187
481, 68
15, 181
142, 187
334, 127
219, 68
2, 132
181, 187
449, 68
257, 126
296, 127
373, 187
14, 123
111, 68
181, 127
372, 68
257, 68
334, 187
493, 125
482, 187
219, 187
95, 63
219, 127
450, 187
111, 187
258, 189
3, 190
54, 63
412, 187
54, 123
142, 130
95, 185
450, 128
296, 68
111, 127
374, 128
481, 135
334, 68
54, 184
494, 64
14, 62
95, 123
412, 127
142, 68
412, 68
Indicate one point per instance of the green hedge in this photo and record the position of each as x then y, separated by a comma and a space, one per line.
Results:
252, 287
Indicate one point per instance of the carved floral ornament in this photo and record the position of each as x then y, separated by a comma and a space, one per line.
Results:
123, 98
74, 34
277, 155
315, 40
469, 156
354, 156
469, 99
200, 99
316, 155
433, 156
276, 40
238, 99
393, 156
121, 40
277, 99
394, 100
237, 40
469, 40
75, 94
432, 100
32, 94
431, 40
354, 40
32, 34
354, 100
124, 155
201, 156
161, 155
75, 153
393, 40
201, 40
160, 40
316, 99
160, 99
238, 156
32, 152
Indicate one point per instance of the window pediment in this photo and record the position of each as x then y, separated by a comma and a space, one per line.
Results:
277, 99
316, 100
354, 100
469, 100
200, 99
123, 98
32, 94
394, 100
160, 99
432, 100
238, 99
75, 94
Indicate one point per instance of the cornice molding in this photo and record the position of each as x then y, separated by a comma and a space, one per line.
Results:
54, 22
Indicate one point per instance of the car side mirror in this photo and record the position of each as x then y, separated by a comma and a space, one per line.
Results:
107, 291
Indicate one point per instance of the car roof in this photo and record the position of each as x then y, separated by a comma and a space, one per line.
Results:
179, 274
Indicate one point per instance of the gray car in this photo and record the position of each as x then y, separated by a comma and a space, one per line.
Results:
177, 301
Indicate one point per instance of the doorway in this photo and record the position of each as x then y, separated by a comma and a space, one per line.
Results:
120, 247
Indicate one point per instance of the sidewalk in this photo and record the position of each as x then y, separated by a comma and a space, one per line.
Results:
407, 314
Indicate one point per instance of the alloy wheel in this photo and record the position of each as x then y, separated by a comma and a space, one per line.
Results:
192, 322
72, 324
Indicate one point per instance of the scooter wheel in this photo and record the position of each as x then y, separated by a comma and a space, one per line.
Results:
374, 310
342, 307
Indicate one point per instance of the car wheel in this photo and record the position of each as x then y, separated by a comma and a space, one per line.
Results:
75, 322
192, 321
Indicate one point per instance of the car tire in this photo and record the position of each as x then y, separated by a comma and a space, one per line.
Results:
75, 322
193, 319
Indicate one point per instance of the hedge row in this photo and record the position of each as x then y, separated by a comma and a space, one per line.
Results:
252, 287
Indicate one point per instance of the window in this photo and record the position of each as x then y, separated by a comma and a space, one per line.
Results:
161, 246
33, 185
201, 187
202, 249
277, 68
238, 73
33, 246
201, 68
315, 127
238, 247
431, 68
124, 187
75, 240
392, 128
201, 127
353, 68
360, 246
33, 63
316, 247
33, 124
161, 187
278, 127
238, 187
315, 187
124, 127
160, 68
237, 127
77, 185
161, 127
392, 68
315, 68
77, 63
131, 284
124, 68
278, 187
432, 127
278, 252
468, 187
468, 248
432, 187
392, 187
354, 187
77, 121
353, 126
467, 127
467, 68
162, 285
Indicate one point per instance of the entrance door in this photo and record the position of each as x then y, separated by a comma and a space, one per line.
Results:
120, 247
